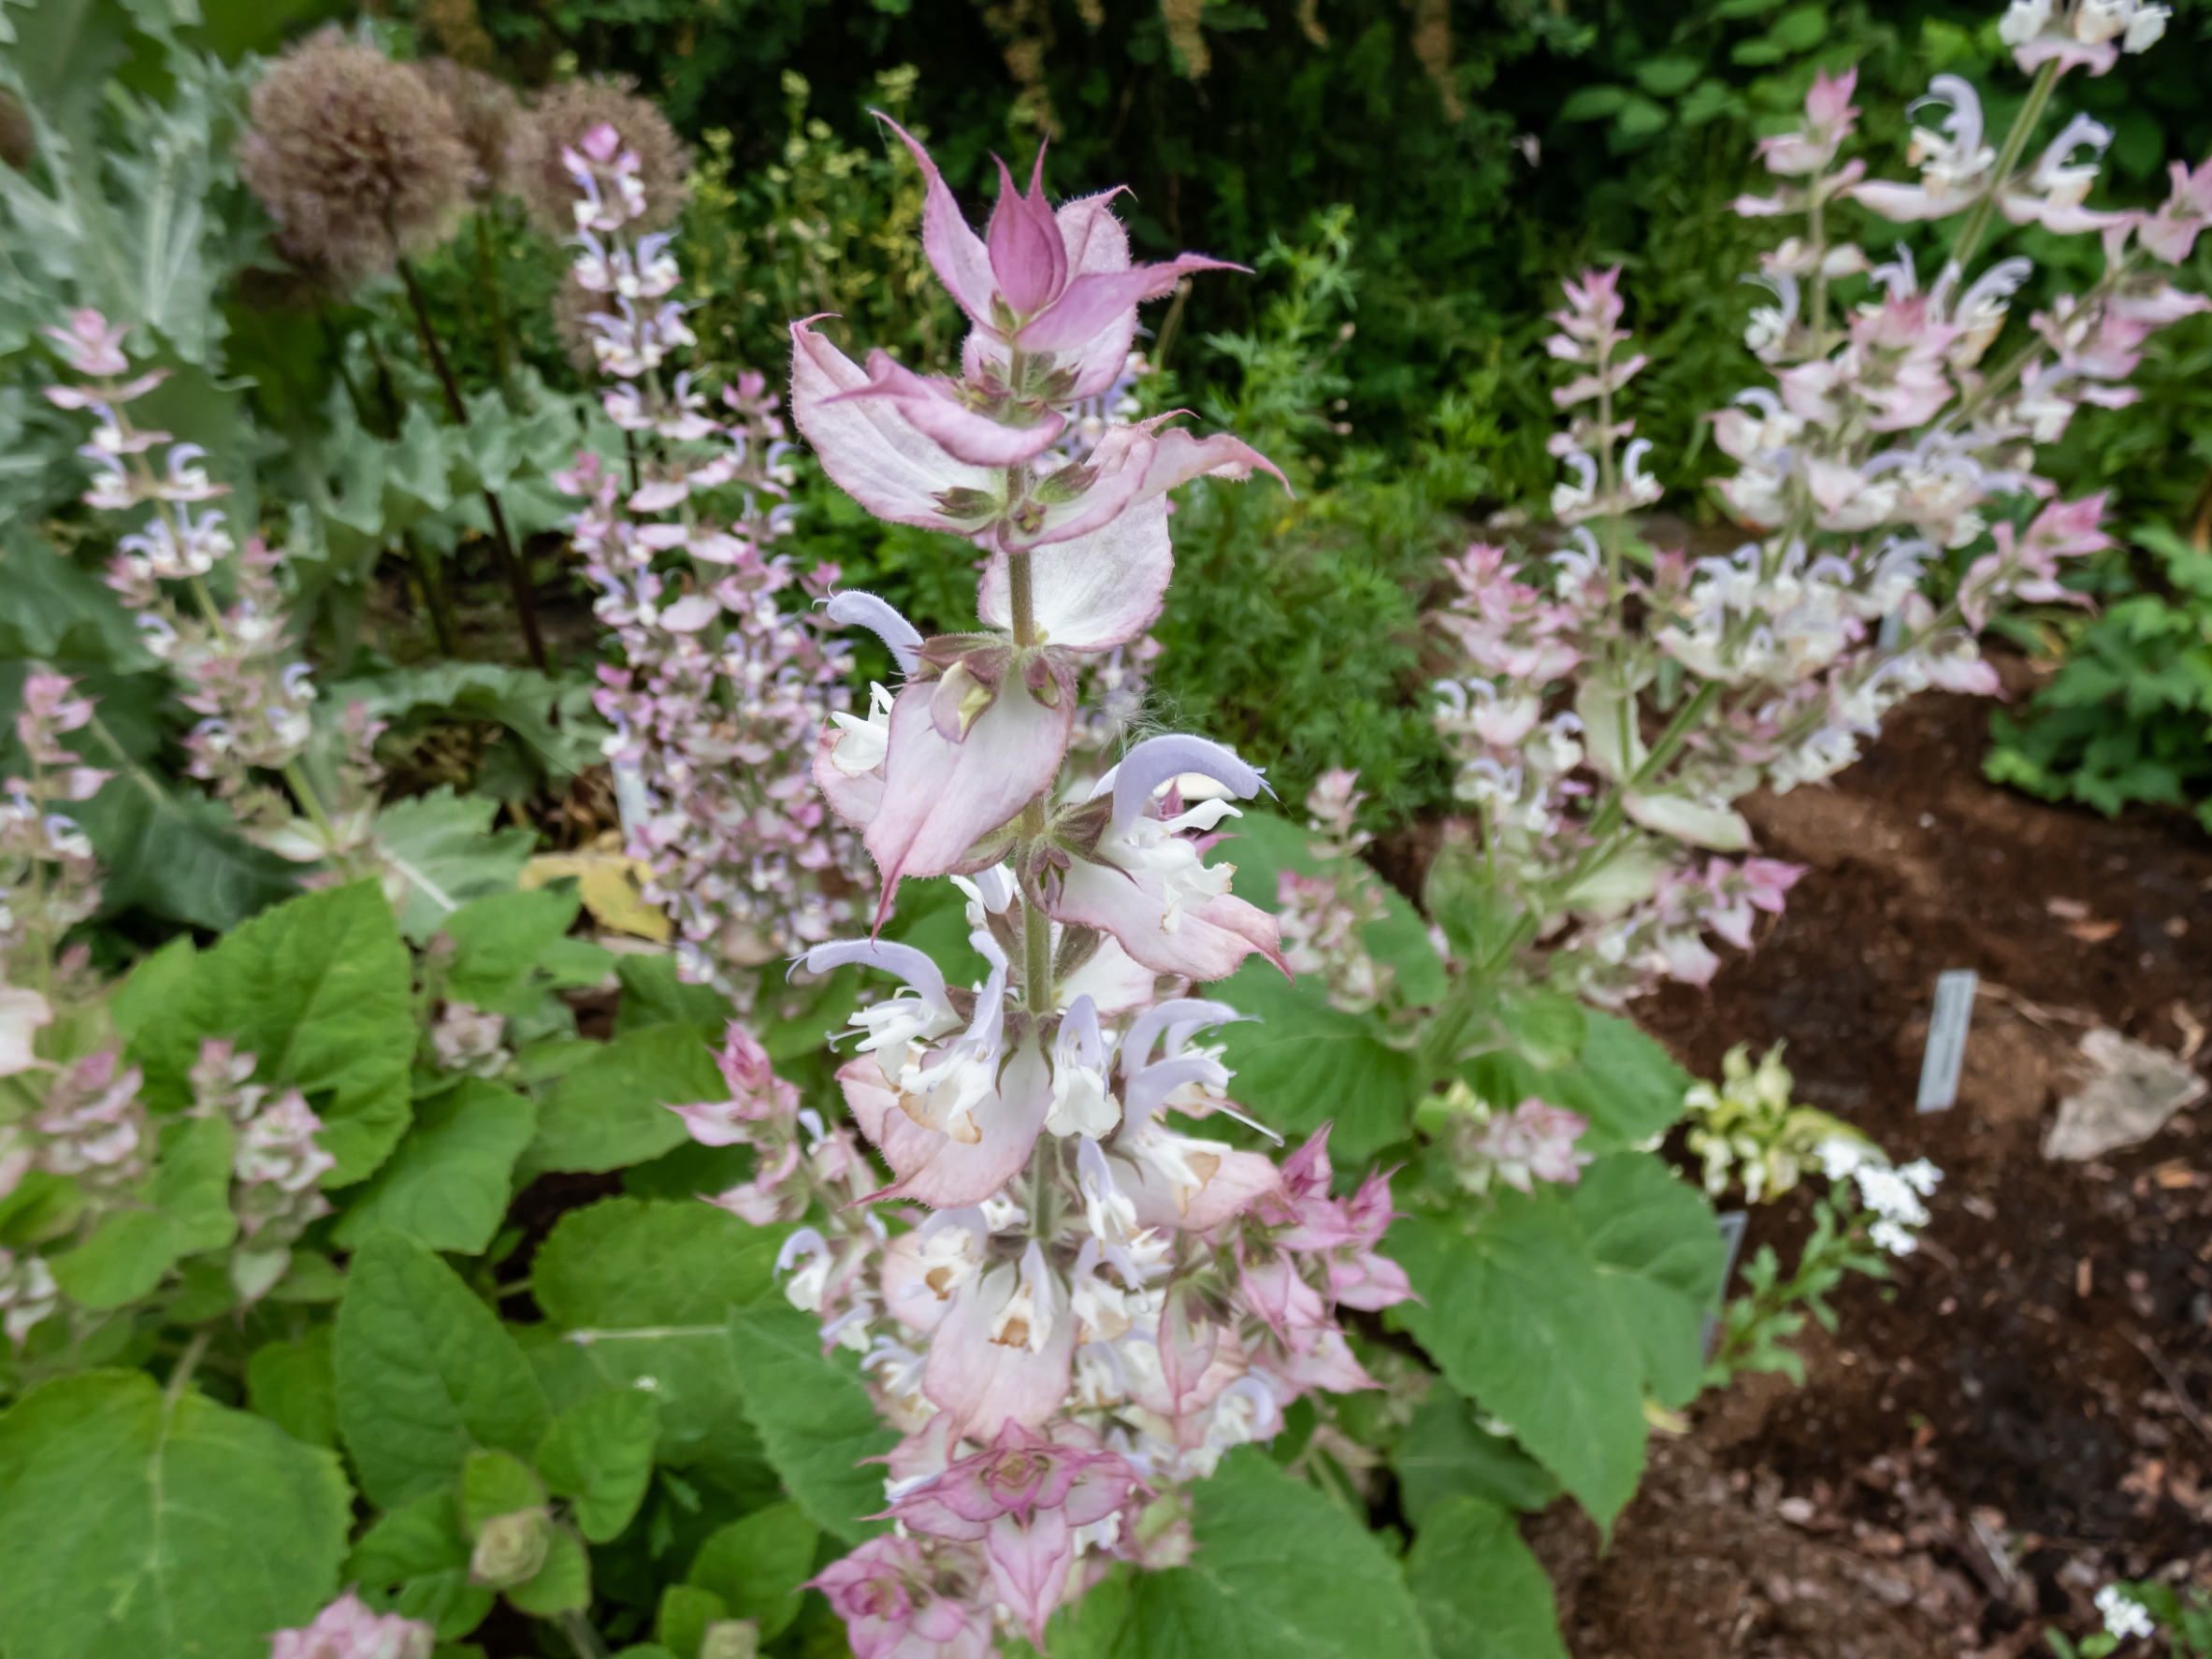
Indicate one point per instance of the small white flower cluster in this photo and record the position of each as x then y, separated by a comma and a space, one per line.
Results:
2123, 1615
1893, 1194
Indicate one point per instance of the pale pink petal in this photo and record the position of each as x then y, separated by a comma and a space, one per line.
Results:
1098, 591
961, 261
1206, 941
1028, 1567
1094, 304
1115, 981
1179, 457
937, 413
933, 1168
855, 800
984, 1385
870, 450
939, 797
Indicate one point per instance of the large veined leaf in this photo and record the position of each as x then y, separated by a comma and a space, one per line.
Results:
442, 848
425, 1372
1657, 1245
612, 1108
1446, 1452
1481, 1594
445, 1186
627, 1262
1521, 1317
318, 991
644, 1291
756, 1565
1262, 845
1301, 1063
134, 1524
1277, 1571
818, 1424
178, 856
600, 1455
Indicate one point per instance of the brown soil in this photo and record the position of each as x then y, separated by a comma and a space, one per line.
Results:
2022, 1414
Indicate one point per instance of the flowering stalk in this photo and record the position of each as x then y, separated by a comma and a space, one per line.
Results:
1070, 1303
721, 693
235, 662
1605, 723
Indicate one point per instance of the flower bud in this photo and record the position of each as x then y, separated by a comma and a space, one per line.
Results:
511, 1549
730, 1639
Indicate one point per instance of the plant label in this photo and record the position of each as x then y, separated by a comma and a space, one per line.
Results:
1731, 1237
1946, 1039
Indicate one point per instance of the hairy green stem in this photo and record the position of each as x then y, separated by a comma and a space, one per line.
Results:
2016, 143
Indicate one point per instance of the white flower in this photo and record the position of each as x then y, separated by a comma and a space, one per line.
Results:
2023, 21
2124, 1616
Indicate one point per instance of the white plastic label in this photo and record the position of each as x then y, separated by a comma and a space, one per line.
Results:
1946, 1039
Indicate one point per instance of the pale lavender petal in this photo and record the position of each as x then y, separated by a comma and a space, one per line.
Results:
855, 609
1152, 762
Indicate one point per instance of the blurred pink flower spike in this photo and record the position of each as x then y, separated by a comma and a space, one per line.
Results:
1137, 875
1022, 1499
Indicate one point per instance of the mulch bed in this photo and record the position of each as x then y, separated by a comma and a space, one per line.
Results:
2026, 1411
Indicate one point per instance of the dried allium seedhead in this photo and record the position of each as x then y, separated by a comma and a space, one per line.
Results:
487, 113
354, 156
561, 122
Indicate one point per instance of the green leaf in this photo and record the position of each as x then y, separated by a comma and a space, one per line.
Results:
653, 995
1445, 1452
1623, 1082
1304, 1063
600, 1455
319, 991
419, 1553
446, 1184
1278, 1572
757, 1565
654, 1285
176, 854
686, 1611
1592, 103
135, 1524
1658, 1246
500, 942
495, 1483
122, 1262
441, 844
521, 699
192, 1182
425, 1372
1521, 1319
1668, 77
132, 1249
814, 1418
294, 1385
612, 1109
1547, 1028
1481, 1594
562, 1585
628, 1262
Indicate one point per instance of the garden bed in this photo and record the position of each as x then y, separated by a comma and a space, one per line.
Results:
2003, 1429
